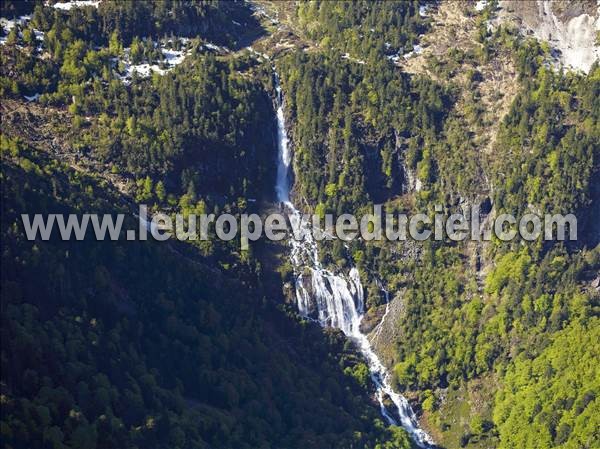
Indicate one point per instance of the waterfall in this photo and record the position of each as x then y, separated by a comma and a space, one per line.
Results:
334, 300
284, 157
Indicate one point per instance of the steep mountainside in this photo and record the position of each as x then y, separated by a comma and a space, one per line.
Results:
140, 344
184, 106
477, 113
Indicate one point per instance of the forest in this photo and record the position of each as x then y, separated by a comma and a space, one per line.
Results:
135, 345
200, 345
371, 127
125, 344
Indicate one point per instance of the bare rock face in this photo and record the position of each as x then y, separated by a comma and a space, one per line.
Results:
570, 27
388, 329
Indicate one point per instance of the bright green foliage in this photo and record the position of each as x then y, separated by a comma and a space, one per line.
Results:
551, 139
360, 124
336, 123
362, 28
160, 191
87, 358
398, 439
510, 267
550, 398
360, 372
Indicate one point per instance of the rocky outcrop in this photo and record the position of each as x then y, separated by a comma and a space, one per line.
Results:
388, 329
570, 28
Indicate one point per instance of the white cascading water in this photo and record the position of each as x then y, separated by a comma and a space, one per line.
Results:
332, 299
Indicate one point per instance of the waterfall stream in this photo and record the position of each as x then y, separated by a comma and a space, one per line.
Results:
334, 300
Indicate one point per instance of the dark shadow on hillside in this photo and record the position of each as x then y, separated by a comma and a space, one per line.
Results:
240, 26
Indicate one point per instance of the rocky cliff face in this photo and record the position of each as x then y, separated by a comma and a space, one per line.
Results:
570, 27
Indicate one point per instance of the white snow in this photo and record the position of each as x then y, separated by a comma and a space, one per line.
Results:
215, 47
350, 58
260, 11
32, 98
9, 24
67, 6
172, 58
257, 53
480, 5
417, 50
418, 185
394, 58
423, 10
143, 70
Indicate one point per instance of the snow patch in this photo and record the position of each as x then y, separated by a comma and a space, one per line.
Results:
417, 50
143, 70
350, 58
215, 47
212, 47
9, 24
34, 97
480, 5
172, 58
418, 185
394, 58
258, 10
67, 6
258, 54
